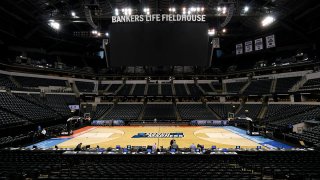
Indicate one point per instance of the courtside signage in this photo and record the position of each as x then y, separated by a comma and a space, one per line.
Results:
159, 135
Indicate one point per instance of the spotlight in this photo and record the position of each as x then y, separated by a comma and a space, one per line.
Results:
73, 14
267, 20
224, 30
116, 12
107, 34
202, 9
198, 9
211, 32
246, 9
54, 25
224, 10
219, 9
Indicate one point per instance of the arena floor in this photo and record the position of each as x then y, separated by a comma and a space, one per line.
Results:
123, 136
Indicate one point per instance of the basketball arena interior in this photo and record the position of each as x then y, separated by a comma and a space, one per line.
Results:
159, 89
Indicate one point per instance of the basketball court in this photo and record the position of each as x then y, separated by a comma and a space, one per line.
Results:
221, 137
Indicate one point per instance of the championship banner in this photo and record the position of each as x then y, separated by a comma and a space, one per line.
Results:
216, 43
248, 46
270, 41
239, 49
258, 44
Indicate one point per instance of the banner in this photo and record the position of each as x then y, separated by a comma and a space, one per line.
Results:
248, 46
239, 49
258, 44
270, 41
160, 18
216, 43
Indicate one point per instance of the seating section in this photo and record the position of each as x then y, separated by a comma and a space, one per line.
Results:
103, 87
153, 90
166, 90
258, 87
253, 110
285, 84
113, 88
235, 87
6, 82
206, 87
29, 111
310, 136
159, 111
194, 111
222, 110
194, 90
125, 112
36, 82
125, 90
180, 90
311, 85
10, 120
101, 109
85, 86
243, 165
217, 86
139, 90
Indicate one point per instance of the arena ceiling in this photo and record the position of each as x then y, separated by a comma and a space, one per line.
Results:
25, 22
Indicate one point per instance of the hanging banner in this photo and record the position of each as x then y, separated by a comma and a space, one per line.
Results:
270, 41
239, 49
216, 43
248, 46
258, 44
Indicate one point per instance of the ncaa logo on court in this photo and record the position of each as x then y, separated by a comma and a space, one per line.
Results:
158, 135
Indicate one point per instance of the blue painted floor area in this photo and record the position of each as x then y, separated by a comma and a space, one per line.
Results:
49, 143
269, 143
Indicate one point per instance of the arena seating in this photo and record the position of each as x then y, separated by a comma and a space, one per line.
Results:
166, 90
85, 86
159, 111
285, 84
180, 90
125, 112
222, 109
253, 110
206, 87
113, 88
139, 90
234, 87
217, 86
125, 90
101, 109
6, 82
194, 90
243, 165
258, 87
31, 112
310, 136
194, 111
152, 90
36, 82
10, 120
311, 85
103, 87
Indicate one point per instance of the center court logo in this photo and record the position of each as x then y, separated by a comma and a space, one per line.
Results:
159, 135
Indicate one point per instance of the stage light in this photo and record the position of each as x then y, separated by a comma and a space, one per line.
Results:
246, 9
202, 9
73, 14
267, 21
146, 10
54, 25
224, 10
211, 32
224, 30
107, 34
98, 34
219, 9
198, 9
94, 32
116, 12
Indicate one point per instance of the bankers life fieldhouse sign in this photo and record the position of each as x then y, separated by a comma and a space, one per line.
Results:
159, 18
